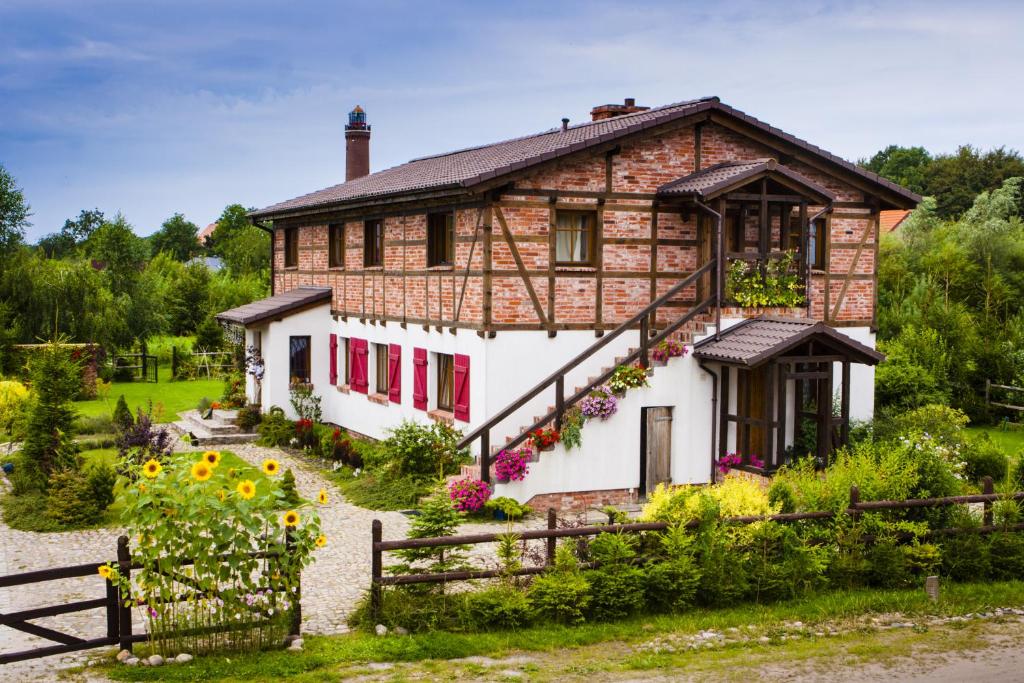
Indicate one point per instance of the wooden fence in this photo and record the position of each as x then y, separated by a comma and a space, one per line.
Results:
209, 362
551, 534
119, 630
990, 385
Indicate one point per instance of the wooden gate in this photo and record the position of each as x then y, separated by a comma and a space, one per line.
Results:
656, 448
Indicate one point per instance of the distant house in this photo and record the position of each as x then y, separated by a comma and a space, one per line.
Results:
205, 234
214, 263
492, 287
892, 219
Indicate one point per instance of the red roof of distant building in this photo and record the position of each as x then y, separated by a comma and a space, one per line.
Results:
206, 232
890, 220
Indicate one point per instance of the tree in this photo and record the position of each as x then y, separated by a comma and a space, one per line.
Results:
74, 233
56, 380
244, 247
14, 213
903, 165
177, 238
956, 179
121, 251
188, 301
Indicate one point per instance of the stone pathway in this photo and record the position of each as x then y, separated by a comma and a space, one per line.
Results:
332, 585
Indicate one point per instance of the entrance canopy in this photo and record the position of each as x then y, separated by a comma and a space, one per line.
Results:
277, 307
722, 179
784, 374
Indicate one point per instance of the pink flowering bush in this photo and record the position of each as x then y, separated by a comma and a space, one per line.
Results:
468, 494
727, 462
669, 348
601, 403
511, 465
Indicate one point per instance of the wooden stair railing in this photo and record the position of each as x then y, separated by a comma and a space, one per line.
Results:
557, 378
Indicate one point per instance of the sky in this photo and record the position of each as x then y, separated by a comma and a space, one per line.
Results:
152, 108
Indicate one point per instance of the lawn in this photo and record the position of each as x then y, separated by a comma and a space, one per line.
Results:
168, 398
1011, 441
602, 648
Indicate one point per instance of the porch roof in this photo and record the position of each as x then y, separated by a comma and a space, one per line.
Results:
757, 340
732, 175
277, 306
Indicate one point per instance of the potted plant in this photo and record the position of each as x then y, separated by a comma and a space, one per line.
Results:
511, 465
627, 377
505, 508
545, 438
600, 403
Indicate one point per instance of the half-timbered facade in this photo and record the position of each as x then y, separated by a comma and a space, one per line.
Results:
447, 288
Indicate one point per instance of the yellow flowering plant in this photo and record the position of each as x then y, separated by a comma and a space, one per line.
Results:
221, 541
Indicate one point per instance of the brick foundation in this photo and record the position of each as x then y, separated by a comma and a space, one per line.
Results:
579, 501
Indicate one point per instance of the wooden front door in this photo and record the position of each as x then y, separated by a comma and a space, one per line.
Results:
656, 456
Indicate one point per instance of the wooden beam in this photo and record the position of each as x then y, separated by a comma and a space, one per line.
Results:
520, 266
872, 225
723, 415
488, 265
756, 197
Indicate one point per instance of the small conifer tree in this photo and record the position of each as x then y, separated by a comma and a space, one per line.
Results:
122, 417
288, 488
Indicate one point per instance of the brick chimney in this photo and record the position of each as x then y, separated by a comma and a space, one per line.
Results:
608, 111
357, 145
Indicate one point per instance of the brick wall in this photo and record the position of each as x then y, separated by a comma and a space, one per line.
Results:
645, 248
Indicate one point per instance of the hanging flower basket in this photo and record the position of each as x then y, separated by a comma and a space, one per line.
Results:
512, 465
545, 439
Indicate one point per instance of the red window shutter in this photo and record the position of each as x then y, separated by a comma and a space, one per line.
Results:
360, 362
395, 373
461, 387
419, 379
334, 359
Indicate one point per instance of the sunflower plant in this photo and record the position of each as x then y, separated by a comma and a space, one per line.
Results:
220, 541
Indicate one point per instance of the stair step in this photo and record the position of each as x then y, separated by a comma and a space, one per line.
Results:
204, 437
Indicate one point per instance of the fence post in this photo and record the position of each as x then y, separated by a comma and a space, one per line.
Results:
124, 611
112, 603
174, 362
854, 501
552, 525
987, 488
376, 568
295, 624
145, 374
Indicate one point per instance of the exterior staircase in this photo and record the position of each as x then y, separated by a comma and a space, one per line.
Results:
691, 330
690, 324
218, 430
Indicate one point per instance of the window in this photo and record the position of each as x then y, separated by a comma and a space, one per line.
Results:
381, 367
750, 402
343, 351
574, 236
298, 360
734, 233
440, 239
816, 245
291, 248
336, 246
445, 382
373, 243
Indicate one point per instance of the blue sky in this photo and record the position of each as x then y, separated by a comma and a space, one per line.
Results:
154, 107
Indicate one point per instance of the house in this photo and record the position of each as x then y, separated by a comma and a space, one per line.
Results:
493, 287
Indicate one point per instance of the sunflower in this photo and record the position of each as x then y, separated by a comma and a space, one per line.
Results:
201, 471
151, 468
271, 467
246, 489
142, 487
290, 518
212, 458
322, 497
105, 571
221, 494
321, 541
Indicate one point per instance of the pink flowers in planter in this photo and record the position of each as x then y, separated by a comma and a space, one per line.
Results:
468, 494
512, 465
727, 462
669, 348
600, 403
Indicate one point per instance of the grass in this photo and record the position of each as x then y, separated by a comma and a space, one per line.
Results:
1011, 441
599, 647
27, 512
168, 398
374, 492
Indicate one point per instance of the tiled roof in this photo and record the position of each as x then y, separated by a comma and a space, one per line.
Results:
713, 179
276, 306
890, 220
756, 340
467, 167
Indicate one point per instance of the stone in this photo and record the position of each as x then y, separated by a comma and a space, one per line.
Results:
183, 658
123, 655
380, 666
132, 661
511, 673
298, 641
401, 631
764, 639
380, 630
156, 660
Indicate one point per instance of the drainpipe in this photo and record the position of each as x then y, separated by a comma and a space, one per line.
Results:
270, 232
714, 415
719, 256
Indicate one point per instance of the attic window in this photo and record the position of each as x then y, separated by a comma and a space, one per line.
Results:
291, 248
373, 243
336, 247
441, 239
574, 237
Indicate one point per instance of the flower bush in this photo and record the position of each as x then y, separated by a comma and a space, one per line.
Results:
545, 438
469, 494
627, 377
195, 528
601, 403
729, 461
733, 497
669, 348
512, 465
779, 285
13, 399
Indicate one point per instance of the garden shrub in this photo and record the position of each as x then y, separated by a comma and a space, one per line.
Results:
983, 458
1018, 472
289, 492
848, 565
939, 421
414, 610
102, 478
233, 395
95, 424
616, 586
1006, 554
888, 566
436, 518
141, 441
562, 594
500, 606
735, 496
14, 398
70, 500
209, 335
965, 556
782, 565
672, 580
122, 418
305, 403
724, 567
51, 421
276, 429
189, 508
249, 417
780, 495
417, 449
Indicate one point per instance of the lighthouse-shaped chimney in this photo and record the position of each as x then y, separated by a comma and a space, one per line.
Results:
357, 145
